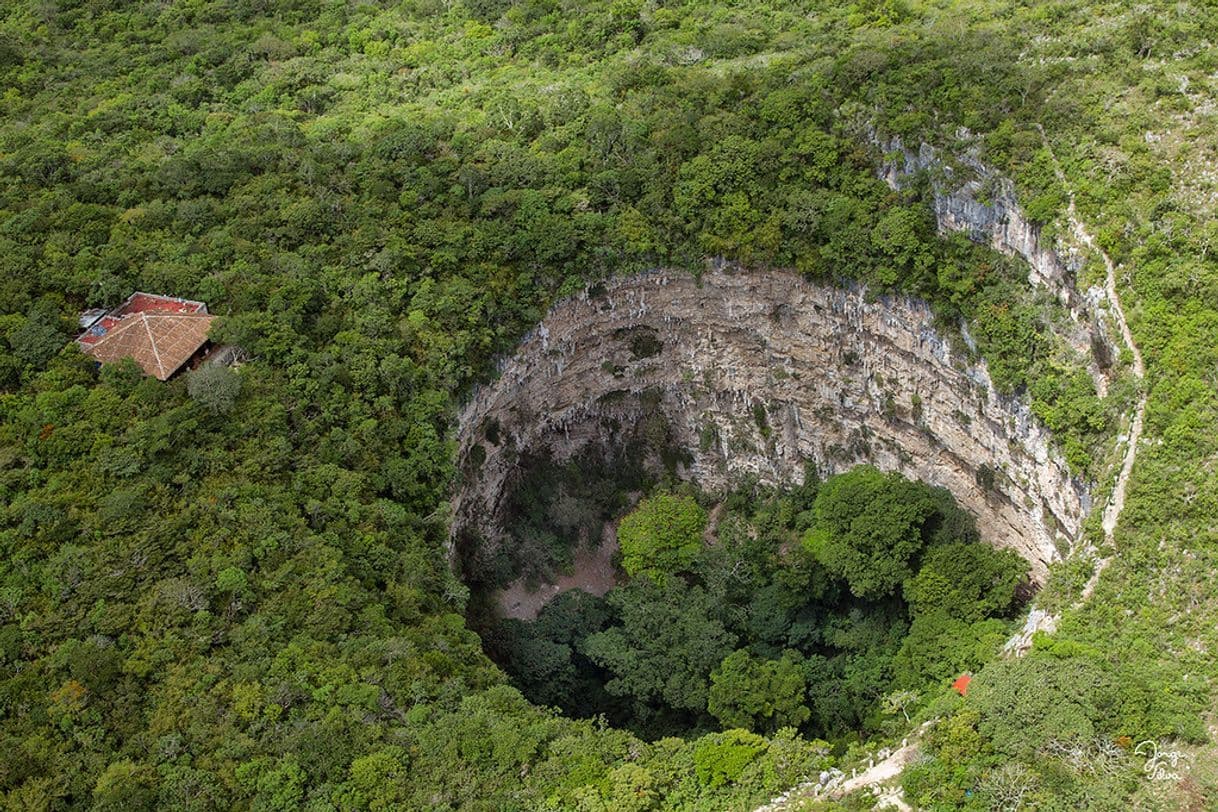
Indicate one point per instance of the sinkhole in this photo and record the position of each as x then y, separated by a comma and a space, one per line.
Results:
739, 396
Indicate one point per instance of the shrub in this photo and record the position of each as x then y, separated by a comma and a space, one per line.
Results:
722, 758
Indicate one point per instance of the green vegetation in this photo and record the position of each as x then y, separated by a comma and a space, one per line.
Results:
965, 581
662, 653
870, 528
662, 535
752, 630
241, 599
1066, 724
214, 387
755, 694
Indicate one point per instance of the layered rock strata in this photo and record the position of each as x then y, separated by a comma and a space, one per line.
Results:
982, 204
759, 373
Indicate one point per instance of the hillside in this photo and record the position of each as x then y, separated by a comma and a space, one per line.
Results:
246, 587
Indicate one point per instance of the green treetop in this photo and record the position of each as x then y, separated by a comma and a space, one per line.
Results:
662, 535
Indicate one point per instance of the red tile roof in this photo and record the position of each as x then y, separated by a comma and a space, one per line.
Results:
138, 303
160, 332
153, 303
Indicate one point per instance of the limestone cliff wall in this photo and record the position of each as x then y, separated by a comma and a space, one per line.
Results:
982, 204
757, 373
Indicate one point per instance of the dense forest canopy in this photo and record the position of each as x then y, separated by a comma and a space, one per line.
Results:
753, 623
235, 593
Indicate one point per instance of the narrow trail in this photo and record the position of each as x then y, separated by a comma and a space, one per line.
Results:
835, 785
888, 769
883, 771
1116, 501
1039, 620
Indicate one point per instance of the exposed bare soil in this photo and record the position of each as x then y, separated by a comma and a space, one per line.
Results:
591, 571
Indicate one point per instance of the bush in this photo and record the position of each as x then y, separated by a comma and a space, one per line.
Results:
722, 758
1024, 704
966, 581
939, 648
759, 695
871, 528
39, 337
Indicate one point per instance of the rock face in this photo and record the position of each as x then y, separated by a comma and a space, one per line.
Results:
758, 373
984, 207
998, 221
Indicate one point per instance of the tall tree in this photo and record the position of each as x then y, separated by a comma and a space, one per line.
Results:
667, 644
871, 528
758, 695
662, 535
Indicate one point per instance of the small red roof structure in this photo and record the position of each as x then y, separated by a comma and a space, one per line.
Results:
161, 333
961, 684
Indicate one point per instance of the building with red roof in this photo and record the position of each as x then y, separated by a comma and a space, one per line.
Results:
161, 333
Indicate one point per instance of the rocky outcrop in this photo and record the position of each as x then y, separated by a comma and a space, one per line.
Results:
758, 373
981, 203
